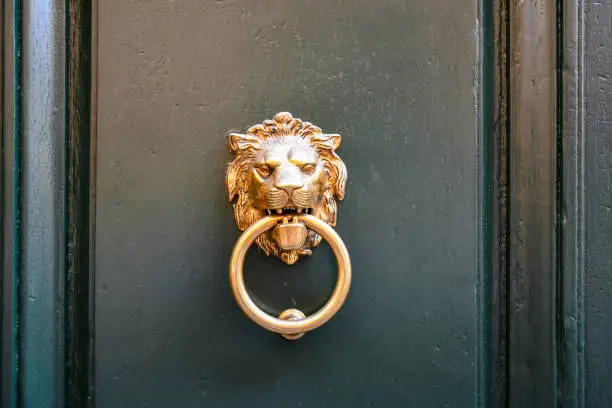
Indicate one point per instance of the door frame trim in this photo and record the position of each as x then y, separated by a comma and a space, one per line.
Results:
496, 194
81, 147
572, 161
10, 163
532, 235
47, 349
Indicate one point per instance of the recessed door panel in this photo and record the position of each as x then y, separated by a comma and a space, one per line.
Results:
400, 82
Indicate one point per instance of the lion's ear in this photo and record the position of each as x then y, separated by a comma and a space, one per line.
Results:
238, 141
335, 140
328, 141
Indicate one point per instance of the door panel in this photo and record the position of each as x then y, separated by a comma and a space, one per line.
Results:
399, 81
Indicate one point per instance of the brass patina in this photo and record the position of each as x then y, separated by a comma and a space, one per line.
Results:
288, 167
291, 323
284, 182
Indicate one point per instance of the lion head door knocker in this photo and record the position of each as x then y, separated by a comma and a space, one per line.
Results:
284, 182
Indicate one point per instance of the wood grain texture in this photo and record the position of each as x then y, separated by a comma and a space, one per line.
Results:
497, 37
532, 207
585, 364
571, 296
43, 222
597, 142
79, 275
46, 345
10, 208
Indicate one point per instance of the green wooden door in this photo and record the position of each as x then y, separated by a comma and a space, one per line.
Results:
475, 212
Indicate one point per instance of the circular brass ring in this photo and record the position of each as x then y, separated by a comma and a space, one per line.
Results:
274, 324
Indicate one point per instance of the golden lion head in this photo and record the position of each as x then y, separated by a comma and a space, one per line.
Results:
285, 166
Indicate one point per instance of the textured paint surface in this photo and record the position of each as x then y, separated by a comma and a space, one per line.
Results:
532, 205
598, 205
397, 80
41, 320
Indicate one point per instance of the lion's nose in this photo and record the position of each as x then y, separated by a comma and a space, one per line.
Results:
288, 178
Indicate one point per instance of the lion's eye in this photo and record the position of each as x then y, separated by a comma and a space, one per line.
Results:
308, 168
264, 170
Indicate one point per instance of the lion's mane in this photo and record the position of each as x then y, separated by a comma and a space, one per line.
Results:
238, 176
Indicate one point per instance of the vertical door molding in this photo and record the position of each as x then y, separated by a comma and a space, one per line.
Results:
532, 183
79, 213
586, 356
571, 335
46, 310
43, 222
496, 38
10, 209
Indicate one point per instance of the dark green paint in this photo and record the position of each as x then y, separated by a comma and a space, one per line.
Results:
11, 210
173, 81
597, 181
42, 222
397, 80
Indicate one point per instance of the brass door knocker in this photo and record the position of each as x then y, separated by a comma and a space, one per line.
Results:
284, 182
